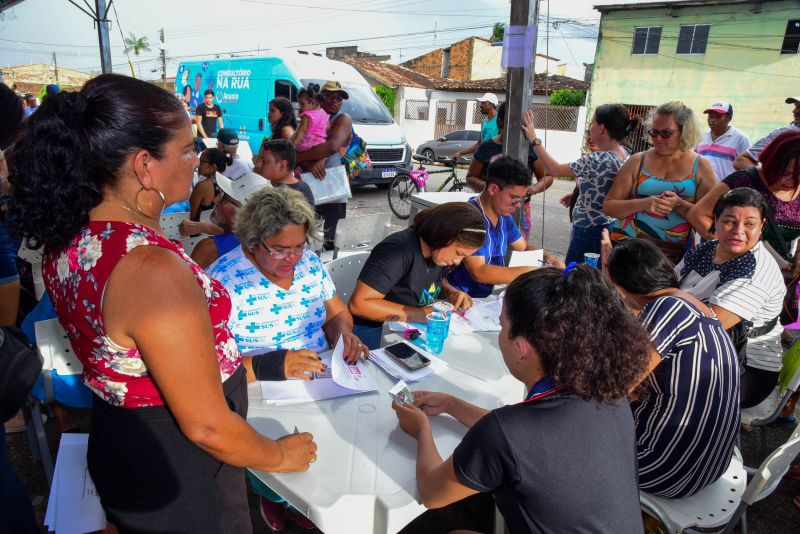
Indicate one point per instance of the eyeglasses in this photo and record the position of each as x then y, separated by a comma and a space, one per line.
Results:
516, 201
285, 253
666, 134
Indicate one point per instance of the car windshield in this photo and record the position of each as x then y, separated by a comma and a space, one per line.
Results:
363, 106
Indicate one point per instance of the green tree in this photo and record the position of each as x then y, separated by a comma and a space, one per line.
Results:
137, 45
497, 32
567, 97
387, 96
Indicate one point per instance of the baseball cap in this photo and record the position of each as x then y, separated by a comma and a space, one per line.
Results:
228, 136
488, 97
334, 87
720, 107
52, 88
793, 100
241, 188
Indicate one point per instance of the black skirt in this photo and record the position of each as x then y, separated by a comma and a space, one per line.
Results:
151, 478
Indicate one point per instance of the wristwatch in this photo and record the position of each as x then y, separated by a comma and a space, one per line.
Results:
536, 142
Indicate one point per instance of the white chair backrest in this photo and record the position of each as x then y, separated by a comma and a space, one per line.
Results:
771, 471
170, 222
362, 233
55, 348
32, 256
344, 273
190, 242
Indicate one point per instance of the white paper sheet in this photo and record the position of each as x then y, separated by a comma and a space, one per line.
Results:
349, 376
402, 326
74, 506
394, 369
481, 317
526, 258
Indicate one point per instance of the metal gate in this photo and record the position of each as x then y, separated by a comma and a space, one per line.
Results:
637, 140
450, 116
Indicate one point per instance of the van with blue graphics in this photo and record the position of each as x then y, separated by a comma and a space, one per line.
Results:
243, 88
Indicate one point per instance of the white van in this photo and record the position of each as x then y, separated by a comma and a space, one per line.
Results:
243, 88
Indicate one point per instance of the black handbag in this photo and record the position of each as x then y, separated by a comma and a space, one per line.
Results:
20, 367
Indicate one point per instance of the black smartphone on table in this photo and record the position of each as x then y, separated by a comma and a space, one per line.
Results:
406, 356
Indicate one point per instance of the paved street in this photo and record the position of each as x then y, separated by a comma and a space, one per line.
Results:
545, 211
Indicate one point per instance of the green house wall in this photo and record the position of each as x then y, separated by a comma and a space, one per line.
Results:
742, 63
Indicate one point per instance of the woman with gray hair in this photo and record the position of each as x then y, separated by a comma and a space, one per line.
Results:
654, 190
284, 303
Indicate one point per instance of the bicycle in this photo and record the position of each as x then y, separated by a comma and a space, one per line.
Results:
408, 183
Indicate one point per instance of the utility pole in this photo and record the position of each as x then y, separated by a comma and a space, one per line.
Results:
519, 82
163, 60
55, 65
101, 19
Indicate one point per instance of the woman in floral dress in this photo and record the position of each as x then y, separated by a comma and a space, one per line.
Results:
89, 178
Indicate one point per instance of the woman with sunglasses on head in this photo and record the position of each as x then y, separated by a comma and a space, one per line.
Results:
654, 191
284, 304
594, 174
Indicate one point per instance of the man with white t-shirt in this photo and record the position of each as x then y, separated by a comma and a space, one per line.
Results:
722, 143
228, 140
749, 157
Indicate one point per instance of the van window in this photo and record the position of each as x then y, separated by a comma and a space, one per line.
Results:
363, 106
286, 89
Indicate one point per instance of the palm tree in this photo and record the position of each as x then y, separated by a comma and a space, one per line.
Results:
497, 32
136, 45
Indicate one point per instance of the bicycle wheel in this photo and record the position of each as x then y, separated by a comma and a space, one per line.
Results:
400, 191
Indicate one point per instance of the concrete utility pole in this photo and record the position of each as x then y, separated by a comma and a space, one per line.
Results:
163, 60
519, 84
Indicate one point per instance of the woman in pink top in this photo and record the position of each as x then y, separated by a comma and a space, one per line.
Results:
89, 178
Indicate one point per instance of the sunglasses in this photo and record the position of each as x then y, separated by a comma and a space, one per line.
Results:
666, 134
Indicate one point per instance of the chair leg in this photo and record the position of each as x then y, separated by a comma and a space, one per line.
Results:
37, 438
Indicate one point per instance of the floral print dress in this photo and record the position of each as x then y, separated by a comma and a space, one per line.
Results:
76, 277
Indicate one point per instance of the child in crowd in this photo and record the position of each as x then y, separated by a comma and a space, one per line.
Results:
313, 129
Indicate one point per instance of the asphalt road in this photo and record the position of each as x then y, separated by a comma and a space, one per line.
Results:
546, 211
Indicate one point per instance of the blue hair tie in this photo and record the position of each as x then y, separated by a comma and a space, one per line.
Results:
571, 265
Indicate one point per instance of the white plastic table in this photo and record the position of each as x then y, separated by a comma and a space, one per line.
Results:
420, 201
364, 479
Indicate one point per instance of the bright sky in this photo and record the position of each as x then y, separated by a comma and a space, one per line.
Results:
34, 29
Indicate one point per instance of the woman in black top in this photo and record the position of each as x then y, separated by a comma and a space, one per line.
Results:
404, 273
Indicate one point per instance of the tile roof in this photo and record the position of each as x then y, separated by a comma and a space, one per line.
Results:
397, 75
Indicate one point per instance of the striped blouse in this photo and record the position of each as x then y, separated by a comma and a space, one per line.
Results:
687, 413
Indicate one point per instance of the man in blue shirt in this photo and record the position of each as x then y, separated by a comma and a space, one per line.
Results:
489, 128
507, 183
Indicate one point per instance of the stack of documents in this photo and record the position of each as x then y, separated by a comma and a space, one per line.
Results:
526, 258
339, 379
483, 316
396, 370
74, 506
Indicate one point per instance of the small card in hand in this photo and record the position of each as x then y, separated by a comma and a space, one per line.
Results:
326, 373
401, 394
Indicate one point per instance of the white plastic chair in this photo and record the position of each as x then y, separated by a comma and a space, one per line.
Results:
171, 221
344, 273
356, 234
713, 506
190, 242
34, 257
768, 410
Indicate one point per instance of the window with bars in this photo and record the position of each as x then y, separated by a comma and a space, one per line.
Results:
693, 39
791, 40
646, 40
417, 109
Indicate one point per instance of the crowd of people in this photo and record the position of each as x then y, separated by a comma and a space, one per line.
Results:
652, 353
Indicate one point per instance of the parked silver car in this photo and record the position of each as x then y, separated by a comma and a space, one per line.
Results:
446, 146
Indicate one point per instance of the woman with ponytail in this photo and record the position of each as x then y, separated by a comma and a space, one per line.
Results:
89, 178
594, 174
574, 424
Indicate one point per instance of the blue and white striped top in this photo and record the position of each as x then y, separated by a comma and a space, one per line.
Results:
687, 414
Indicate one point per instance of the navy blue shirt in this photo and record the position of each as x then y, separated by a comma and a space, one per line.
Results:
498, 238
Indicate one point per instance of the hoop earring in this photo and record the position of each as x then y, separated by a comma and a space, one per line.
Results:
163, 203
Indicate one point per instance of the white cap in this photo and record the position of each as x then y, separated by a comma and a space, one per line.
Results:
241, 188
723, 108
488, 97
793, 100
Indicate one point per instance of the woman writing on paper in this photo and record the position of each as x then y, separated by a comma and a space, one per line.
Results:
405, 272
284, 303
